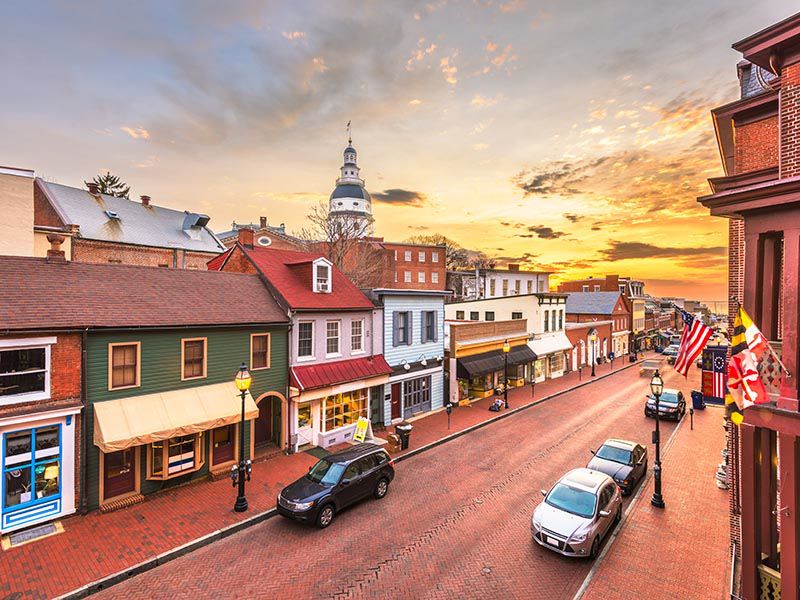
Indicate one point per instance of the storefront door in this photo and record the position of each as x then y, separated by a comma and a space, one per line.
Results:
223, 442
305, 424
396, 400
119, 476
263, 426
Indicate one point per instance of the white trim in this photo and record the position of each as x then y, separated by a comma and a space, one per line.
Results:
27, 342
9, 345
19, 172
41, 416
430, 371
341, 388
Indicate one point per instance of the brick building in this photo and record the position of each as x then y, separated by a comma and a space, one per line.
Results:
586, 339
589, 307
630, 288
760, 195
264, 235
104, 229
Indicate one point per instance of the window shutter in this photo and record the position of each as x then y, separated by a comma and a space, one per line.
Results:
394, 329
410, 320
423, 322
435, 325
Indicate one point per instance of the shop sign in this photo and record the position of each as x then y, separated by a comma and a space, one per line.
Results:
361, 429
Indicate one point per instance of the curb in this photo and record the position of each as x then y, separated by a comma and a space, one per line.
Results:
169, 555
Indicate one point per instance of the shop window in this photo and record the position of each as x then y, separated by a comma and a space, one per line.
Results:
344, 409
489, 315
459, 315
259, 351
124, 365
175, 456
31, 466
516, 315
556, 362
24, 374
332, 338
194, 358
305, 339
357, 335
474, 315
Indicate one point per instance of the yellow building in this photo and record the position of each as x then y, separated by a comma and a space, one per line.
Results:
16, 199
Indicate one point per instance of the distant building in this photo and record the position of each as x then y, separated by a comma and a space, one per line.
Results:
496, 283
589, 307
264, 236
630, 288
16, 198
350, 203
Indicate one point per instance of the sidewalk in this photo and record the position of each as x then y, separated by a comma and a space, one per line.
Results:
682, 550
99, 545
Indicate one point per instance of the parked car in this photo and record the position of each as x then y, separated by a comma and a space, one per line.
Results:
671, 352
625, 462
649, 367
671, 405
335, 482
577, 512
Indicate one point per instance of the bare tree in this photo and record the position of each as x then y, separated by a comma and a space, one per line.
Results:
456, 257
341, 238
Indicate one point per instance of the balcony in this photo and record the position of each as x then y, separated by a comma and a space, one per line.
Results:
769, 583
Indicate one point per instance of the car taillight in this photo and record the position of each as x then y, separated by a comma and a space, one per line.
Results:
391, 463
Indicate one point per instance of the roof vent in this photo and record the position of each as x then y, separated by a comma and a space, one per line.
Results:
112, 214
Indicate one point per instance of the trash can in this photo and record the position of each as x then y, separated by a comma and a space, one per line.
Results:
697, 400
404, 431
632, 358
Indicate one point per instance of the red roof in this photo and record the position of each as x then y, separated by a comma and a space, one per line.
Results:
291, 275
215, 264
340, 371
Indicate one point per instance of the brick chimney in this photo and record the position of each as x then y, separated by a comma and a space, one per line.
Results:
145, 200
246, 237
55, 253
94, 190
263, 222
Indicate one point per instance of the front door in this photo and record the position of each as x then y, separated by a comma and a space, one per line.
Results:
305, 424
223, 440
119, 476
263, 426
396, 398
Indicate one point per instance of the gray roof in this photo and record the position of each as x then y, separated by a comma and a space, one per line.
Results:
592, 303
347, 190
125, 221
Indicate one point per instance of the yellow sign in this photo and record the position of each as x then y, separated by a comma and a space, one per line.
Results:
361, 429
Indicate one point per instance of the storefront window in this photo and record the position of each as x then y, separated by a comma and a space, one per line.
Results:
538, 369
180, 455
31, 467
556, 362
344, 409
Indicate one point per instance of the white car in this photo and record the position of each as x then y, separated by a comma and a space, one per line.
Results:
577, 513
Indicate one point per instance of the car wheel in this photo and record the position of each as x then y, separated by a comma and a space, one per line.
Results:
595, 548
325, 516
382, 488
618, 516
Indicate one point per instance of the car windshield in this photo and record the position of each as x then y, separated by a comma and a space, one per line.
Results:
665, 398
571, 500
617, 455
326, 472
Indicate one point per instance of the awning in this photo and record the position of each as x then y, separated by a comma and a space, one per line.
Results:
489, 362
552, 343
338, 372
138, 420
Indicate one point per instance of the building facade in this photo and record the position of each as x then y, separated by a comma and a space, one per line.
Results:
586, 339
264, 235
16, 196
496, 283
588, 307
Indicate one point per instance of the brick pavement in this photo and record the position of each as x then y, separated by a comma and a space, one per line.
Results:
681, 551
456, 522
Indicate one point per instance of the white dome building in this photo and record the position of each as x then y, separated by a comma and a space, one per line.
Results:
350, 202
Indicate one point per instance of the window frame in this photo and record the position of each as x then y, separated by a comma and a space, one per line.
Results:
459, 315
421, 256
338, 338
111, 346
435, 277
488, 315
199, 457
359, 350
435, 257
516, 316
183, 358
45, 343
328, 281
421, 277
406, 276
407, 329
269, 350
546, 321
474, 315
407, 256
30, 464
311, 356
431, 336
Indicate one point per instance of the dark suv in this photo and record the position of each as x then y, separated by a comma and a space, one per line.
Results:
335, 482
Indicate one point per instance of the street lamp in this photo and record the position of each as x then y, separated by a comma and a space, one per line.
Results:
238, 474
657, 387
506, 350
593, 337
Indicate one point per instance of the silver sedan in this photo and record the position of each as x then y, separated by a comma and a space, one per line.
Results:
577, 513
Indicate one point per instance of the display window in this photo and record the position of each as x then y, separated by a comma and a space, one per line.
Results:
175, 456
31, 466
344, 409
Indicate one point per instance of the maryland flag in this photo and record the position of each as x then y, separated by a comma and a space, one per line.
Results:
745, 387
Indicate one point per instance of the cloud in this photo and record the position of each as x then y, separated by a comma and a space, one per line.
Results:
480, 147
294, 35
481, 101
137, 133
598, 114
505, 56
418, 55
572, 218
400, 197
626, 250
512, 6
545, 233
449, 70
415, 102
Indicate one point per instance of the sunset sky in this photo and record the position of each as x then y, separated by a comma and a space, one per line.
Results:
572, 136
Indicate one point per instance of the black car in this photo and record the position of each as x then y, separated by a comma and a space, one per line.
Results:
335, 482
671, 405
625, 462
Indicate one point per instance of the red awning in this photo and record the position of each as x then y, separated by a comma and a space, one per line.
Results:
341, 371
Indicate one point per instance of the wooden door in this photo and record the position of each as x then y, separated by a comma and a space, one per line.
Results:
119, 473
223, 444
396, 404
263, 425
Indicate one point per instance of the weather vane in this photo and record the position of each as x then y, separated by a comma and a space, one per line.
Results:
349, 134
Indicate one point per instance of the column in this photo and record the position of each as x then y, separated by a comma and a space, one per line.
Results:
791, 318
751, 548
787, 513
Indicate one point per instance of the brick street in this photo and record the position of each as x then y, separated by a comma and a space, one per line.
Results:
456, 522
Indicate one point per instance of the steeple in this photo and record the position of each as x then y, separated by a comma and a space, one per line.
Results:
350, 199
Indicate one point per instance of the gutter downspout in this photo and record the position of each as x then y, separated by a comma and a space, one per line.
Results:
290, 346
84, 435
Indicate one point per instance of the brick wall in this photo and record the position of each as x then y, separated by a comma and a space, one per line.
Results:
98, 252
239, 263
756, 145
399, 265
477, 330
790, 121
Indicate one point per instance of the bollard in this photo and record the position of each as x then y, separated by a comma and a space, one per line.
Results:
691, 418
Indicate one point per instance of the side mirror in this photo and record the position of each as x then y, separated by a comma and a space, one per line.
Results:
604, 513
346, 481
309, 468
591, 452
544, 492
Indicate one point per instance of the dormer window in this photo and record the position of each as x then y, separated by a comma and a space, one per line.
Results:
322, 276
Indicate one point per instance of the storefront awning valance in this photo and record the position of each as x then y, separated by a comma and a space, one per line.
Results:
552, 343
138, 420
489, 362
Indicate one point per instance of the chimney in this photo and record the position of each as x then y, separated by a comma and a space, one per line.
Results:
513, 266
246, 237
145, 200
263, 222
55, 253
93, 189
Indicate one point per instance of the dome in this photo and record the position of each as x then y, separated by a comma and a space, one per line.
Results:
350, 191
350, 149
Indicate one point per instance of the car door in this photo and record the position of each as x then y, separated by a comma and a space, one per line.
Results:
348, 491
604, 504
369, 475
638, 463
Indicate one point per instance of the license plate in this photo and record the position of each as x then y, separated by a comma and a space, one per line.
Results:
552, 541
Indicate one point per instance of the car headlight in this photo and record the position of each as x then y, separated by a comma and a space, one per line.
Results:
536, 524
578, 537
303, 505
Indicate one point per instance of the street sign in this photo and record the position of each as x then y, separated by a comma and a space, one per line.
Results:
361, 429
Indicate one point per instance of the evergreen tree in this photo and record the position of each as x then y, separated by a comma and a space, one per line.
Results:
111, 185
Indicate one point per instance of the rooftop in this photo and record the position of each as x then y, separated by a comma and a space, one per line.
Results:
592, 303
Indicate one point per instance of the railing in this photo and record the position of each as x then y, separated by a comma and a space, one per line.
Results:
771, 371
769, 583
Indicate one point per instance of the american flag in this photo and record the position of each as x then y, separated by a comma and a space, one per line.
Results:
693, 340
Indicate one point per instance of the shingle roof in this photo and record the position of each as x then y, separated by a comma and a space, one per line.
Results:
337, 372
215, 264
40, 294
136, 224
290, 273
592, 303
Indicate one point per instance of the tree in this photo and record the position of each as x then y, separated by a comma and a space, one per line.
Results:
455, 257
341, 239
111, 185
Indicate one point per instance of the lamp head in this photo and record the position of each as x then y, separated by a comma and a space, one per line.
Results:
656, 384
506, 347
406, 366
243, 379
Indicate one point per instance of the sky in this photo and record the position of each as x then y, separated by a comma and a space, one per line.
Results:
571, 136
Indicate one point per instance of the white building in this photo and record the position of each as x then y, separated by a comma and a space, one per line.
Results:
350, 203
497, 283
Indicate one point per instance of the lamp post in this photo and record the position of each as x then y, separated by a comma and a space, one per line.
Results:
657, 387
506, 350
594, 346
242, 471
